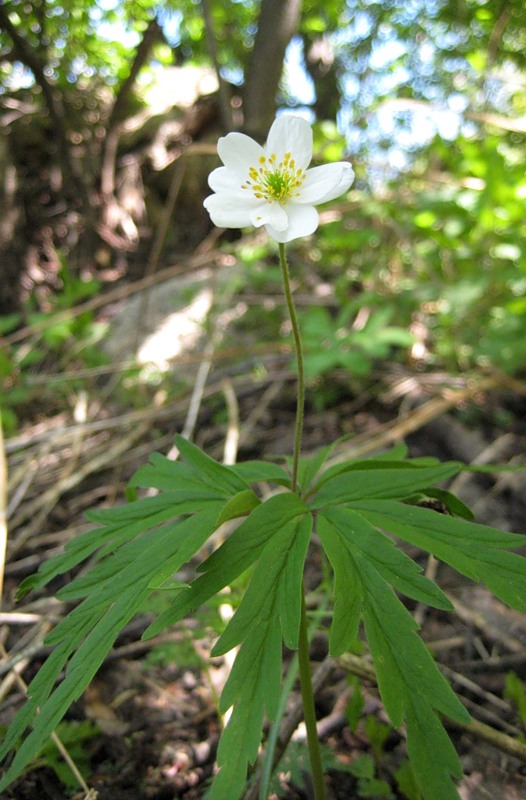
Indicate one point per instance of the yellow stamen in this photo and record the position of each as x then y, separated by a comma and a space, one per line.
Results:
275, 181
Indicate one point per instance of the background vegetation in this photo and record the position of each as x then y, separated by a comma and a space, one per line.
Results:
425, 98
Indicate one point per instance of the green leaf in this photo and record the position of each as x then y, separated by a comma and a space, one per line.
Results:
411, 686
447, 503
431, 753
514, 690
279, 570
401, 657
239, 506
262, 472
393, 565
291, 583
362, 767
269, 610
73, 736
117, 589
164, 474
118, 525
403, 663
309, 467
139, 559
82, 668
472, 549
347, 589
253, 684
406, 782
355, 706
380, 483
208, 471
235, 555
391, 459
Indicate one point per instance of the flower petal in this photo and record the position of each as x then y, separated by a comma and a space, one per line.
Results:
230, 210
290, 134
272, 214
325, 183
239, 152
303, 220
224, 180
344, 185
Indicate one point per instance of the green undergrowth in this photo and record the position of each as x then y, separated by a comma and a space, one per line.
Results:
359, 510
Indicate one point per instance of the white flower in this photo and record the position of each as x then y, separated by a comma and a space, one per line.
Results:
271, 185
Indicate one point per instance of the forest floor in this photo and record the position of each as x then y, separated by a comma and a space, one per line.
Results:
148, 727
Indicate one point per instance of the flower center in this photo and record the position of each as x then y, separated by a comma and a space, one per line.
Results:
275, 181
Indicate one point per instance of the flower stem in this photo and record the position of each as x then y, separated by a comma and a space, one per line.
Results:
299, 358
309, 711
307, 694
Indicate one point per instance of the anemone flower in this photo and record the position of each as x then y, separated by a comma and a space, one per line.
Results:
272, 185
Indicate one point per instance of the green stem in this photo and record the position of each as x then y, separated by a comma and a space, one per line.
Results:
299, 358
309, 712
307, 694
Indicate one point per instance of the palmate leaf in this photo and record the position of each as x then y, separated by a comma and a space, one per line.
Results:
115, 526
349, 537
350, 517
387, 482
411, 686
269, 613
182, 492
236, 554
138, 546
477, 551
116, 591
257, 670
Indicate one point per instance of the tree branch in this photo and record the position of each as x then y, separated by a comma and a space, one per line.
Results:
152, 34
224, 99
24, 53
111, 140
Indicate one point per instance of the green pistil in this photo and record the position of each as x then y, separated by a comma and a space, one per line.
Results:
279, 185
271, 181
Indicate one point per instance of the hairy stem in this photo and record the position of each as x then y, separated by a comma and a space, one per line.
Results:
301, 372
307, 693
309, 713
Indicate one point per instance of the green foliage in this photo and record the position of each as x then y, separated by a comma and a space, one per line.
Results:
442, 255
73, 736
63, 337
335, 343
369, 785
436, 236
377, 733
405, 780
354, 709
294, 763
138, 547
514, 690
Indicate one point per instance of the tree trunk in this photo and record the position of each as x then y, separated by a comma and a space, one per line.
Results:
277, 24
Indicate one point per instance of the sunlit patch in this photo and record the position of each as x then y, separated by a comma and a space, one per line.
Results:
177, 333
